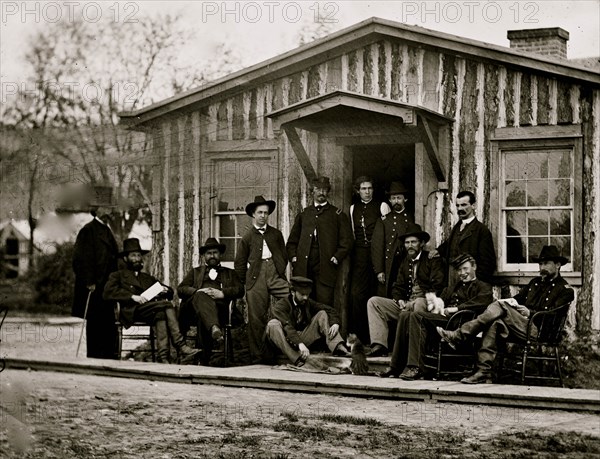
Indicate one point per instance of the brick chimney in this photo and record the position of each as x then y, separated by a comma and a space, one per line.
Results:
551, 41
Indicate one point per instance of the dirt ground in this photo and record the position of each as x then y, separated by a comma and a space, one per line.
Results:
62, 415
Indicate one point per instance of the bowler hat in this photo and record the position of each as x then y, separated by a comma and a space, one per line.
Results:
397, 188
321, 182
460, 259
301, 284
212, 243
416, 231
132, 245
259, 201
550, 252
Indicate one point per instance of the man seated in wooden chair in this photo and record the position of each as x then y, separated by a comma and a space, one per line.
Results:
206, 293
130, 287
469, 294
511, 316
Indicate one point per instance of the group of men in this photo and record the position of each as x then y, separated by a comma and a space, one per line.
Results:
392, 279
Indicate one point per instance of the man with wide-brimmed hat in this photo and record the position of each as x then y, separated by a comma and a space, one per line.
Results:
387, 249
129, 287
364, 215
94, 258
319, 240
297, 321
206, 293
418, 276
260, 264
414, 327
510, 316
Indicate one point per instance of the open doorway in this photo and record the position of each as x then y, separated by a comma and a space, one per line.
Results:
385, 164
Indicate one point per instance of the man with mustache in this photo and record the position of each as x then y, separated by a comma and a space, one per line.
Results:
509, 317
364, 216
297, 321
419, 277
320, 239
128, 285
415, 326
206, 293
470, 236
387, 249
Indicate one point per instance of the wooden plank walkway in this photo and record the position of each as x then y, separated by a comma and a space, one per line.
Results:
267, 377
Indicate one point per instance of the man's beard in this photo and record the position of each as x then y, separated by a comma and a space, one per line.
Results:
135, 266
398, 207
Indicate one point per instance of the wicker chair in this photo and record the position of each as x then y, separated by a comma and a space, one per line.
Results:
137, 335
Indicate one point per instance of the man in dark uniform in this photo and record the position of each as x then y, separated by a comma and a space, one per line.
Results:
470, 236
387, 249
94, 258
128, 286
319, 240
260, 264
419, 277
364, 215
415, 327
206, 293
297, 321
510, 316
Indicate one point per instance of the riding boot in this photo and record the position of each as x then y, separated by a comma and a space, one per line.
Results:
162, 341
186, 353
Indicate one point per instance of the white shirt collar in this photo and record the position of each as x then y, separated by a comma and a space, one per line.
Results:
96, 218
321, 205
467, 221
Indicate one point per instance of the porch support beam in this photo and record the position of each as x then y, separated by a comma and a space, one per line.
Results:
432, 149
299, 150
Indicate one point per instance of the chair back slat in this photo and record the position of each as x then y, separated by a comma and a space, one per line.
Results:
550, 324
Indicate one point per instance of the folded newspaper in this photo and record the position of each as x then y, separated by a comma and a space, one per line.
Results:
152, 291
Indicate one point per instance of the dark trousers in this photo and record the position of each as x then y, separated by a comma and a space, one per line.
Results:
363, 286
321, 293
101, 330
411, 336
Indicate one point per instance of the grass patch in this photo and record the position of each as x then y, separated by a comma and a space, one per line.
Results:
242, 441
304, 433
549, 442
353, 420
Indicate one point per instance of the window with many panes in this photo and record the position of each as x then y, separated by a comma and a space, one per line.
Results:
538, 200
235, 184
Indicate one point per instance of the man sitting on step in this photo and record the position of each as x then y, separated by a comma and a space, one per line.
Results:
510, 317
127, 286
297, 321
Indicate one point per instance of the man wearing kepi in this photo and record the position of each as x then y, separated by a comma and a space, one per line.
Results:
206, 293
470, 236
296, 322
260, 264
128, 286
509, 317
387, 249
364, 215
319, 241
419, 277
469, 294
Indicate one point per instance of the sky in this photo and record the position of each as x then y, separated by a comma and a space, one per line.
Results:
263, 29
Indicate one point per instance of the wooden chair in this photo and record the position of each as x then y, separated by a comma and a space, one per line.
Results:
550, 325
136, 335
442, 360
203, 340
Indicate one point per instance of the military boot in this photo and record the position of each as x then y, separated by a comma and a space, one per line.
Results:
185, 353
162, 341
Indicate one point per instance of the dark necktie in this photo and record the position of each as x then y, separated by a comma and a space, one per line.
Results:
261, 230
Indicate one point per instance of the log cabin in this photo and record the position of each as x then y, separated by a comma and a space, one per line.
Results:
518, 126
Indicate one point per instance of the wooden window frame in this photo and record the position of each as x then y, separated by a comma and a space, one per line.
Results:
236, 156
531, 138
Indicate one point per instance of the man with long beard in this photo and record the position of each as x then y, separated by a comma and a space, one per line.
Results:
128, 285
418, 277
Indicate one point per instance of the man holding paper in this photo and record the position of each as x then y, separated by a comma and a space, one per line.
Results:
144, 299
